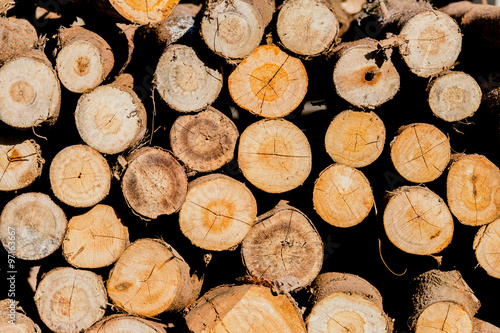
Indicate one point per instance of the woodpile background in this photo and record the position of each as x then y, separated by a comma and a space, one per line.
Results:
242, 166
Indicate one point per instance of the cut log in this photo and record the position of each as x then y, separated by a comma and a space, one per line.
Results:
355, 138
184, 81
129, 324
154, 183
346, 12
417, 221
486, 244
234, 28
32, 226
245, 308
80, 176
420, 152
445, 316
13, 319
342, 195
150, 277
111, 118
283, 247
205, 141
454, 96
21, 163
481, 326
364, 76
144, 12
95, 239
84, 60
473, 189
218, 212
70, 300
268, 83
274, 155
30, 93
307, 27
18, 36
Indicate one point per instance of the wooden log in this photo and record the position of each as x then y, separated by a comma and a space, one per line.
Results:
420, 152
70, 300
473, 189
364, 76
307, 27
144, 12
154, 183
150, 277
205, 141
14, 320
6, 5
269, 83
342, 195
186, 82
346, 303
245, 308
355, 138
80, 176
233, 29
417, 221
95, 239
486, 244
124, 323
481, 326
283, 247
21, 163
32, 226
18, 36
218, 212
30, 93
84, 59
274, 155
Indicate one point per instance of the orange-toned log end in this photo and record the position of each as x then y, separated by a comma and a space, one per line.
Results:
129, 324
446, 317
486, 245
144, 11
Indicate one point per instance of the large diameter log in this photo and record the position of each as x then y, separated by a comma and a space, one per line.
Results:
481, 326
417, 221
205, 141
218, 212
84, 59
80, 176
355, 138
245, 308
274, 155
144, 12
420, 152
269, 83
184, 81
21, 163
342, 195
32, 226
95, 239
128, 324
111, 118
18, 36
13, 319
486, 245
473, 189
149, 278
154, 183
283, 247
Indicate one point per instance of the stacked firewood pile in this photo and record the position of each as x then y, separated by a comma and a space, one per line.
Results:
249, 166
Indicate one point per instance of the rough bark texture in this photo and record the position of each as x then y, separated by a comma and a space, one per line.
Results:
18, 36
481, 326
486, 245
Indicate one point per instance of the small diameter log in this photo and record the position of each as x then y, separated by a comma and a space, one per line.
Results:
283, 247
184, 81
129, 324
18, 37
21, 163
245, 308
150, 277
205, 141
307, 27
346, 303
420, 152
144, 12
84, 59
417, 221
355, 138
481, 326
342, 195
218, 212
30, 93
473, 189
80, 176
274, 155
95, 239
154, 183
486, 245
234, 28
268, 83
454, 96
13, 319
363, 75
70, 300
111, 118
32, 226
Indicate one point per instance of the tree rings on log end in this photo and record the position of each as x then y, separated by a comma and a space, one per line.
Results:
129, 324
21, 163
144, 12
486, 244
